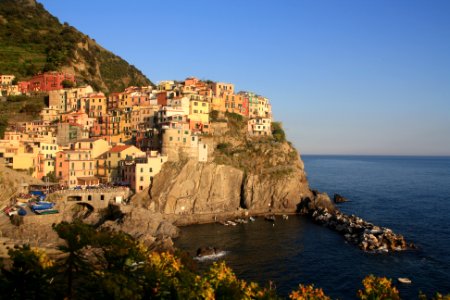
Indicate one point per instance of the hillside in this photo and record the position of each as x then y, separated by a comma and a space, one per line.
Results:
32, 40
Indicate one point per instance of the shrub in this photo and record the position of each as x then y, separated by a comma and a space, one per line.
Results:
306, 292
278, 132
214, 114
377, 288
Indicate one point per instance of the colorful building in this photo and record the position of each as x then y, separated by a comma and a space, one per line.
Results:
138, 172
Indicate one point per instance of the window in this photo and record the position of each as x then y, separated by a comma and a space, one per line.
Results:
142, 178
90, 197
102, 197
151, 169
142, 170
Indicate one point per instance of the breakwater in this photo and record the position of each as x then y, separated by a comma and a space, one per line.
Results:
355, 230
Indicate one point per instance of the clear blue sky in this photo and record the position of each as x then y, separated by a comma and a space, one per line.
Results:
344, 77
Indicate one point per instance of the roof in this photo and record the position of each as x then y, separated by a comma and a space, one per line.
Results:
93, 139
119, 148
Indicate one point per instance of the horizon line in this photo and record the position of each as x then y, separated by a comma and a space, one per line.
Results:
381, 155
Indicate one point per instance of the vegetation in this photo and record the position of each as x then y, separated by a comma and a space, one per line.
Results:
278, 132
19, 108
32, 41
103, 264
214, 115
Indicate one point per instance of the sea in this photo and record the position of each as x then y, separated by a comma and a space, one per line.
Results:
410, 195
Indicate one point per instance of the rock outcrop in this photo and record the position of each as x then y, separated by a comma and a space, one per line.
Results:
339, 199
367, 236
242, 173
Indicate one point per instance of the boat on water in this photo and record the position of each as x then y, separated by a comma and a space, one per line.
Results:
270, 218
231, 223
241, 221
285, 217
404, 280
252, 219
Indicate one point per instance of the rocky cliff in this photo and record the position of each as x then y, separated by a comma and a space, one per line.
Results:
242, 173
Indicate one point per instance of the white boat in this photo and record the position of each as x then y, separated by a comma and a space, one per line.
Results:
252, 219
285, 217
231, 223
404, 280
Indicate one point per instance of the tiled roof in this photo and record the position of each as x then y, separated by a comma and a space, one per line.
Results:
119, 148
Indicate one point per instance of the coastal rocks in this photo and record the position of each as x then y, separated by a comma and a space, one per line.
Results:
265, 193
195, 188
339, 199
355, 230
208, 251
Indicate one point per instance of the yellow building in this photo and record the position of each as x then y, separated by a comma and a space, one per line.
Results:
138, 173
50, 114
96, 146
198, 113
96, 105
221, 88
6, 79
108, 163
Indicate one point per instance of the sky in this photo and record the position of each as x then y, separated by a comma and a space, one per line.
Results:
367, 77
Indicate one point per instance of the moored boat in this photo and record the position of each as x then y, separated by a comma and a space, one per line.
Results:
404, 280
270, 218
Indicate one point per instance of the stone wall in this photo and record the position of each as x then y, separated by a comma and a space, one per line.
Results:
97, 198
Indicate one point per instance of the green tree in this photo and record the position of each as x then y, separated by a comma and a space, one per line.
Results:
30, 275
67, 84
278, 132
77, 236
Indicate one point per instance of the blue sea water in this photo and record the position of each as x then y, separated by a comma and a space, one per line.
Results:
410, 195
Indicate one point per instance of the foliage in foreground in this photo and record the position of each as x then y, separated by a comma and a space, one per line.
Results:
102, 264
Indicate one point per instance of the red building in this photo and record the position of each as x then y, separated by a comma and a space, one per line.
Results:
46, 82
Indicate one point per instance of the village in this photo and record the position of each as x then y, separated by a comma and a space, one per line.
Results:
85, 139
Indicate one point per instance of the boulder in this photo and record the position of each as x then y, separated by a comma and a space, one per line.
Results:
339, 199
207, 251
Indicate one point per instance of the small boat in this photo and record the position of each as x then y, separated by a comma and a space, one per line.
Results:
231, 223
49, 211
240, 221
223, 223
252, 219
285, 217
270, 218
404, 280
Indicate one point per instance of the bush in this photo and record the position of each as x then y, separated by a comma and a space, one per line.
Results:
377, 288
224, 148
278, 132
234, 117
305, 292
67, 84
214, 115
